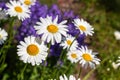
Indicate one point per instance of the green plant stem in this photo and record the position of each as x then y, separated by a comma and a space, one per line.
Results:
68, 68
49, 45
56, 67
7, 43
61, 55
42, 73
80, 70
74, 40
45, 62
21, 76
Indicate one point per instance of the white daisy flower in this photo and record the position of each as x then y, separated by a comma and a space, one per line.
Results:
88, 58
83, 26
115, 65
73, 56
51, 30
3, 36
117, 35
28, 3
15, 8
69, 42
31, 51
71, 77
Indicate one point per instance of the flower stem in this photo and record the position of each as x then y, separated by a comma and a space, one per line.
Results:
21, 76
80, 70
7, 43
74, 40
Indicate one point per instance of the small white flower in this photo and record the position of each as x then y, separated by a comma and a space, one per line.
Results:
108, 69
3, 36
69, 42
83, 26
73, 56
15, 8
51, 30
31, 51
88, 58
117, 35
71, 77
118, 60
28, 3
2, 14
114, 65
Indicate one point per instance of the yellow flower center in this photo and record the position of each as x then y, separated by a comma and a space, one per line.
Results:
82, 28
69, 42
73, 55
32, 49
87, 57
18, 9
52, 28
27, 2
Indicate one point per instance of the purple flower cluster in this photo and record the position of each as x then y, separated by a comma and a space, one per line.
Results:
2, 5
39, 10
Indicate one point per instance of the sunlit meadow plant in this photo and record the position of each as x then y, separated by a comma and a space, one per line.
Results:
48, 40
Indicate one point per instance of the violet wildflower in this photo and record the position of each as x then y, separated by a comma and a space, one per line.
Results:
38, 10
2, 5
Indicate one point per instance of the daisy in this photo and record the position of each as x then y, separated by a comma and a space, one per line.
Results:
71, 77
88, 58
15, 8
30, 51
3, 36
51, 30
73, 56
115, 65
83, 26
69, 42
28, 2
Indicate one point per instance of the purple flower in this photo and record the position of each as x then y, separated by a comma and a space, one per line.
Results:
2, 5
38, 10
55, 50
55, 11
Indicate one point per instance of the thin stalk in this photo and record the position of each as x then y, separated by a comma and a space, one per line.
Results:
7, 44
74, 40
80, 70
68, 68
21, 77
45, 62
